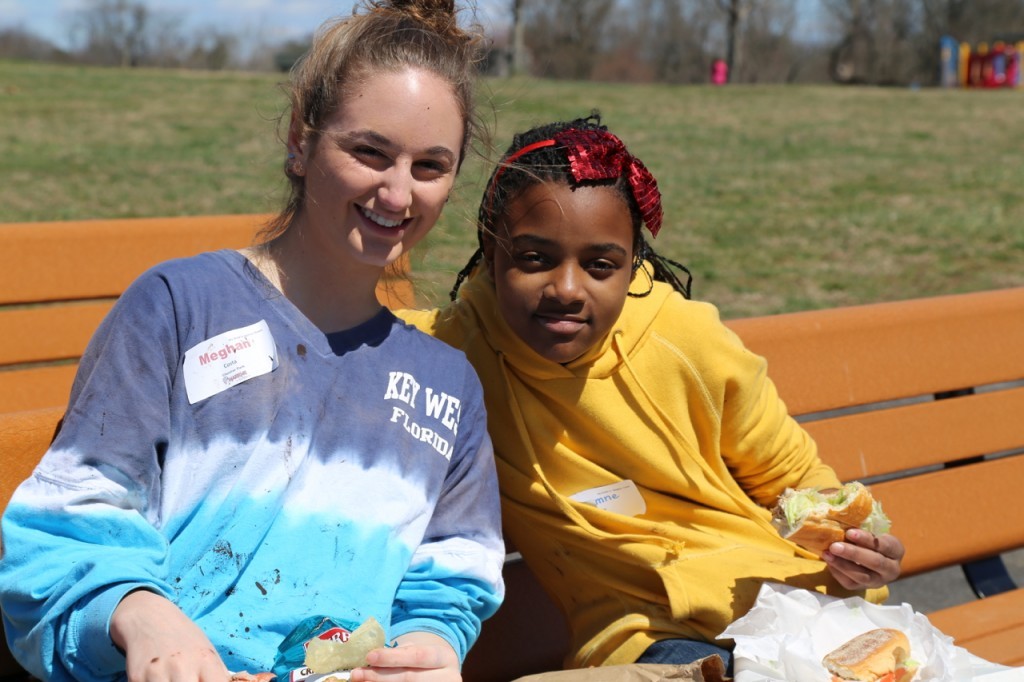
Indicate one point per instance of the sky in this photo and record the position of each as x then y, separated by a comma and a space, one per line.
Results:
270, 20
260, 21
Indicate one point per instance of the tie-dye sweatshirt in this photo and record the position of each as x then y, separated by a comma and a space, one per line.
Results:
220, 450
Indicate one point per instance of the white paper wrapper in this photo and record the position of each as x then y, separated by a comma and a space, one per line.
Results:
789, 630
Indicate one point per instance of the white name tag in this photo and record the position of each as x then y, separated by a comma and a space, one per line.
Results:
622, 498
228, 359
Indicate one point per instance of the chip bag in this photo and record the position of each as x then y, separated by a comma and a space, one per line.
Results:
320, 646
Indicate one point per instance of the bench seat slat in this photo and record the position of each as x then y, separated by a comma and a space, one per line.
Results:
952, 516
47, 333
25, 437
992, 628
919, 435
829, 359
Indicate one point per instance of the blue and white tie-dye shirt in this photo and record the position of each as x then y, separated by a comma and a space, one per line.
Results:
222, 451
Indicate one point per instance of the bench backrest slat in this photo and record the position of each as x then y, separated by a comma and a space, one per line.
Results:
876, 443
89, 259
60, 261
828, 359
953, 515
47, 332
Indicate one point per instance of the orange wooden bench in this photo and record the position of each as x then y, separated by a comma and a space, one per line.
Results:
58, 280
921, 399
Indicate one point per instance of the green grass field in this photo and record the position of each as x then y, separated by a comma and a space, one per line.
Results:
779, 198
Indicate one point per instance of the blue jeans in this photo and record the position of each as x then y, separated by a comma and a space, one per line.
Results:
681, 651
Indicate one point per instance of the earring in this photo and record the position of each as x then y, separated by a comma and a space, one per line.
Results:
293, 166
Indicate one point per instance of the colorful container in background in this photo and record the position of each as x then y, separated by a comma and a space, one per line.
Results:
984, 66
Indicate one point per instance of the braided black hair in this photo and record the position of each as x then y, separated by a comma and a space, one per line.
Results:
551, 164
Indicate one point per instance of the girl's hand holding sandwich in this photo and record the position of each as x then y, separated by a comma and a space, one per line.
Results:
864, 560
847, 528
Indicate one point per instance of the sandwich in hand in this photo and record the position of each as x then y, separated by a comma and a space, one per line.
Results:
814, 519
880, 655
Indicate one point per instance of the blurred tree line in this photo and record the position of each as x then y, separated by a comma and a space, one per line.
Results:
130, 33
879, 42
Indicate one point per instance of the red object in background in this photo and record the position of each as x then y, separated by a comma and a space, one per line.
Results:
989, 73
1012, 66
995, 67
719, 72
974, 69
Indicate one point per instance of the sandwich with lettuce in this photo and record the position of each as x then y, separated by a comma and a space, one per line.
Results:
814, 518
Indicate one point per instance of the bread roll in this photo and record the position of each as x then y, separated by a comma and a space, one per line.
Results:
872, 656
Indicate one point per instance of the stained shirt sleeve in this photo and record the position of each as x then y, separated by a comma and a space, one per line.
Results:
454, 582
79, 534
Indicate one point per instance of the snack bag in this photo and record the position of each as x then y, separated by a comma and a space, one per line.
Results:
321, 646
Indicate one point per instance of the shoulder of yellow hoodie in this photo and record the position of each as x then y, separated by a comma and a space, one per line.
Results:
693, 331
442, 323
721, 357
424, 320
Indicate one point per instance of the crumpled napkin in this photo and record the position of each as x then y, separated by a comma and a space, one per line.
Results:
789, 630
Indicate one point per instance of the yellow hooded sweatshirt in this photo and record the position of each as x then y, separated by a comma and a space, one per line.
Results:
671, 401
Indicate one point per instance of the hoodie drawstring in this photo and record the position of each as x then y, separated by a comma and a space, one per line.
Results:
564, 504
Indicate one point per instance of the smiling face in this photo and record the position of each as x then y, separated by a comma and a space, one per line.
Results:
562, 265
378, 175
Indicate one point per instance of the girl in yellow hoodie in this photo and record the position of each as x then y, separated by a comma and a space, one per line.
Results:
639, 445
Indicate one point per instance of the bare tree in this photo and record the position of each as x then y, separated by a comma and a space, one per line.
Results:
673, 38
755, 31
167, 44
564, 37
972, 21
672, 41
876, 43
127, 33
20, 43
517, 61
113, 31
770, 52
735, 11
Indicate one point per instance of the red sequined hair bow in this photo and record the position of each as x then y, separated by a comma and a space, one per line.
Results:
599, 155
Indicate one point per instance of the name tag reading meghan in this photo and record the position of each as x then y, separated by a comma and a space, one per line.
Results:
228, 359
622, 497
